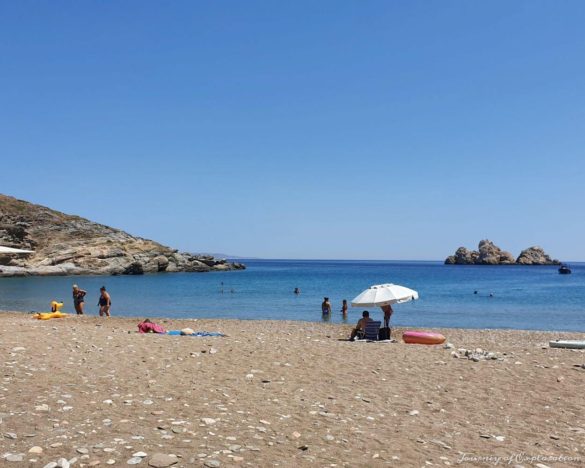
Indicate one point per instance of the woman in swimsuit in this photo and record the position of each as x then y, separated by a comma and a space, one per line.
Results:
105, 302
326, 306
78, 299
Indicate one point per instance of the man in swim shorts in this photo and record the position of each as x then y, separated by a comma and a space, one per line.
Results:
360, 327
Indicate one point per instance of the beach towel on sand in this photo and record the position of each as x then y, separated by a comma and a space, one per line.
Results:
197, 333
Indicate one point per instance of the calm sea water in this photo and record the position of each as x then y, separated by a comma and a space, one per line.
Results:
523, 297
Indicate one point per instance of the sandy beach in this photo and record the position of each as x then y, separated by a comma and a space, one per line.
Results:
283, 394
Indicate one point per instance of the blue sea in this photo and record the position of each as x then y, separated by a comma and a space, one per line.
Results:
508, 297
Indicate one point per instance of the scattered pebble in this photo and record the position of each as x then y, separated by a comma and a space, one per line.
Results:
161, 460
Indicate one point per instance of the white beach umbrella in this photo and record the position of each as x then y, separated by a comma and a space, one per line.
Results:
384, 294
10, 250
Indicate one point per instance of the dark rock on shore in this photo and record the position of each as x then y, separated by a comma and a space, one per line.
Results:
490, 254
71, 245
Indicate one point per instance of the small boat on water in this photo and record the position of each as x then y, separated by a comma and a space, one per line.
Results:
564, 270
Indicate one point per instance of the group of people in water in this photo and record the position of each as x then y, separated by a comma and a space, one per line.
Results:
104, 301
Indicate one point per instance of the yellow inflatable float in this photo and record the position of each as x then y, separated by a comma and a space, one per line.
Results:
49, 315
55, 312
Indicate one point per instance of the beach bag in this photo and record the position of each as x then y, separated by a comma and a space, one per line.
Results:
384, 333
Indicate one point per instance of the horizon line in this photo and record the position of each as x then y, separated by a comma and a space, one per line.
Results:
229, 257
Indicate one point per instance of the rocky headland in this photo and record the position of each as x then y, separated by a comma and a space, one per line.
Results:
490, 254
70, 245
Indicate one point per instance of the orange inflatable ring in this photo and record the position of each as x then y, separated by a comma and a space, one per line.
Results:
422, 337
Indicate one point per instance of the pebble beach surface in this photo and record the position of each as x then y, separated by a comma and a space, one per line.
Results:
89, 391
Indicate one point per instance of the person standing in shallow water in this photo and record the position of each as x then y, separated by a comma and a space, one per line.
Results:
78, 299
344, 308
105, 302
326, 307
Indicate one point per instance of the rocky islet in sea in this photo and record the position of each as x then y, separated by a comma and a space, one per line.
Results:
70, 245
490, 254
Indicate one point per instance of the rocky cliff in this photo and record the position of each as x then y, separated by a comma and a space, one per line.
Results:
71, 245
490, 254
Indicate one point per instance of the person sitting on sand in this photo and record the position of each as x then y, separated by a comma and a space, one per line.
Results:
78, 299
105, 302
360, 328
387, 309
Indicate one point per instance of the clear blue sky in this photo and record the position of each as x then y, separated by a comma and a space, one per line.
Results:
329, 129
